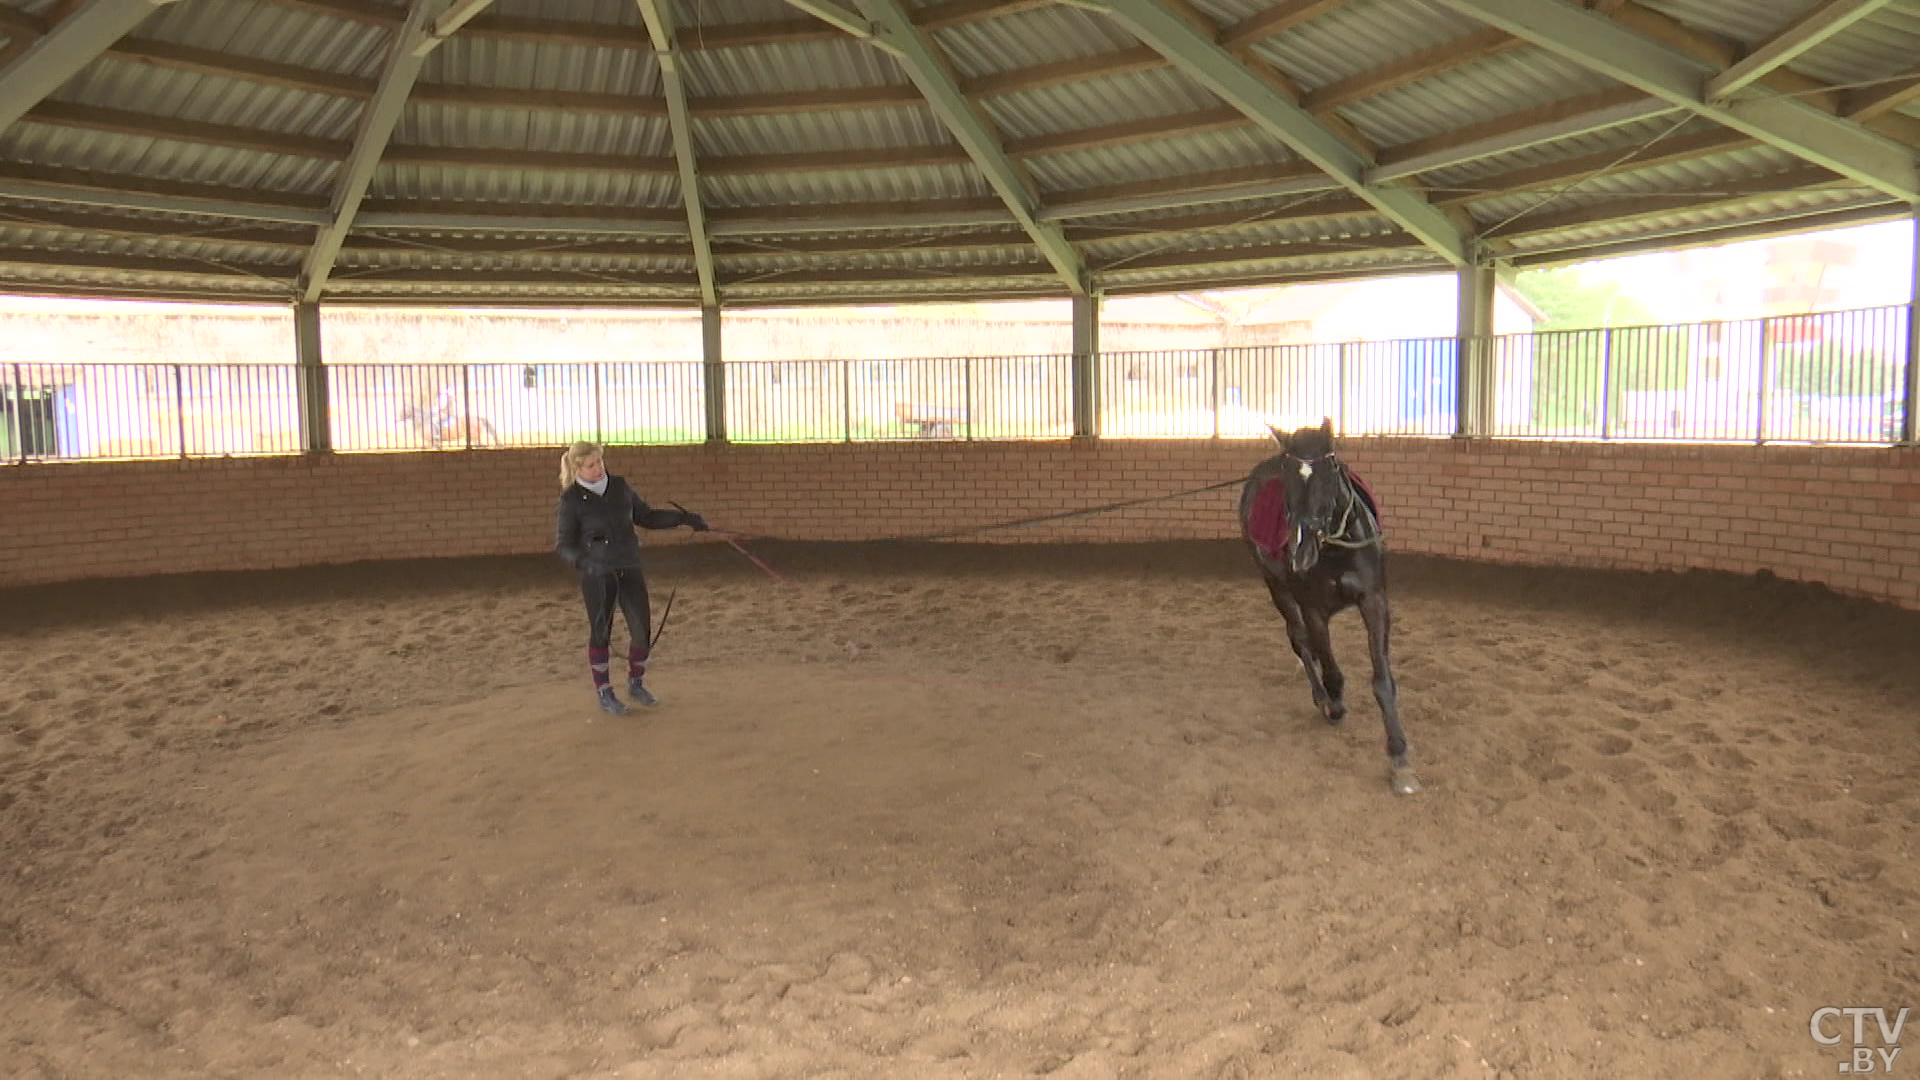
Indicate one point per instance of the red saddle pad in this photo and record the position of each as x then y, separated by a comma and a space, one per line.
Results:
1267, 520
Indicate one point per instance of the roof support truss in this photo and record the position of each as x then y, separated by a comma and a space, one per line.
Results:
405, 55
931, 73
1603, 45
1214, 67
659, 19
60, 54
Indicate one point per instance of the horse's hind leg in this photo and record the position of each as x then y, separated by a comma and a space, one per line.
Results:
1334, 708
1379, 620
1302, 642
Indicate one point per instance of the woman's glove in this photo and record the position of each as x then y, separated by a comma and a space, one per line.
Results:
696, 522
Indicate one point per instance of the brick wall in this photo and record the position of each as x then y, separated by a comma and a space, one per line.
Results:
1847, 518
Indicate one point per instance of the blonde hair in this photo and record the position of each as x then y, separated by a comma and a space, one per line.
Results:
576, 455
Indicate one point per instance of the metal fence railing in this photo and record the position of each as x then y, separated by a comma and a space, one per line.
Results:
978, 397
71, 412
1373, 387
1838, 377
477, 406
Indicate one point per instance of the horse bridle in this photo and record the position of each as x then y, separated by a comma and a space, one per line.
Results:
1338, 536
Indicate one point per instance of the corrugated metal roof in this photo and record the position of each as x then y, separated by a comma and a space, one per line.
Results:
1161, 159
850, 130
1097, 103
542, 65
850, 187
363, 262
278, 32
186, 95
1628, 144
136, 284
1250, 229
1883, 44
1750, 21
573, 125
969, 262
508, 292
1360, 36
788, 69
1033, 38
621, 12
537, 130
875, 290
1687, 180
445, 188
1679, 221
119, 155
1484, 90
1227, 271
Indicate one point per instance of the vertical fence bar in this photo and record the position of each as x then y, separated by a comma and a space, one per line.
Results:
846, 401
1214, 356
1341, 390
599, 423
466, 405
180, 410
966, 403
18, 420
1606, 383
1763, 395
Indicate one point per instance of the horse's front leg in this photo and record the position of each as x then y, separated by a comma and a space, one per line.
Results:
1334, 708
1302, 643
1379, 620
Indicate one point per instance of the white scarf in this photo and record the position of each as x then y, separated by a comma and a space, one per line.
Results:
598, 489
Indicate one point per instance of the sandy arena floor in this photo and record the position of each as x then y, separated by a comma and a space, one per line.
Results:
948, 812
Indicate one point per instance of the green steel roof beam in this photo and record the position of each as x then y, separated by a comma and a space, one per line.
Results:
1599, 44
659, 19
77, 41
930, 72
404, 59
1204, 60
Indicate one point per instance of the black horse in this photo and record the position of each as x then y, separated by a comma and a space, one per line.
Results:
1314, 529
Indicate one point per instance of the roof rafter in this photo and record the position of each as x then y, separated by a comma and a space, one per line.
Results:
61, 52
405, 55
1871, 101
1602, 45
666, 51
1773, 224
935, 78
1220, 71
1647, 204
1703, 144
1780, 50
1517, 131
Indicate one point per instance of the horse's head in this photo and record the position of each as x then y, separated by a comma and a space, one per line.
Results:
1317, 491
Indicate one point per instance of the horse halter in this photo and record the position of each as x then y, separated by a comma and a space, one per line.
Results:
1337, 536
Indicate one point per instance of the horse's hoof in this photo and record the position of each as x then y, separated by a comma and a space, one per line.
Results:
1334, 713
1404, 783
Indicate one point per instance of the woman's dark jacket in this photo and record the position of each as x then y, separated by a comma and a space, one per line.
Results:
595, 532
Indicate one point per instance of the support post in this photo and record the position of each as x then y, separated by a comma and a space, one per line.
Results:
714, 372
1910, 424
310, 383
1473, 385
1086, 365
